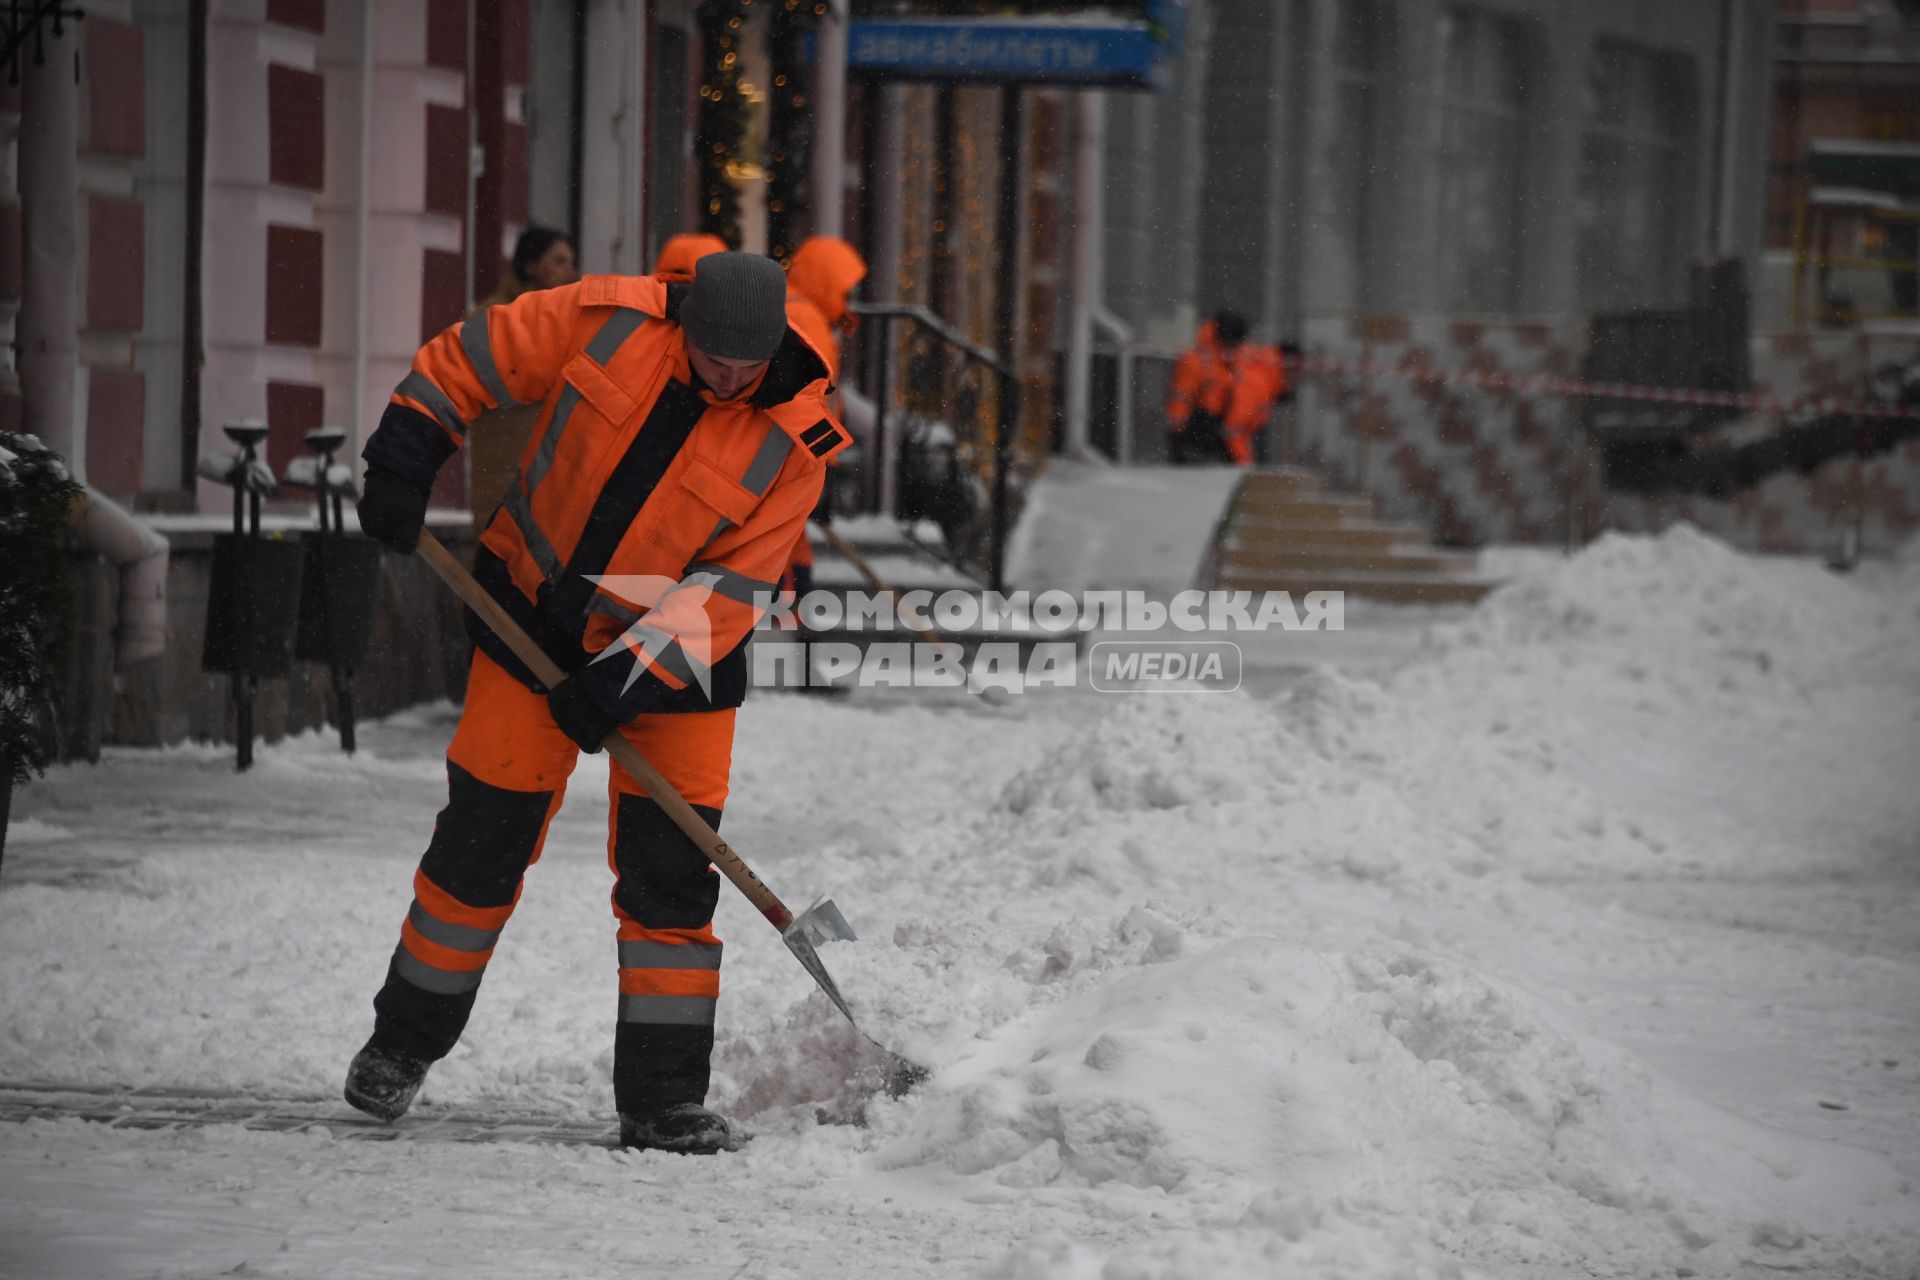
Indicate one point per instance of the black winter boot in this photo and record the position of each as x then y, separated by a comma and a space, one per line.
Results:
382, 1081
688, 1128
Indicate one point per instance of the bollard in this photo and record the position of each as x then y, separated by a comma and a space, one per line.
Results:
340, 578
256, 582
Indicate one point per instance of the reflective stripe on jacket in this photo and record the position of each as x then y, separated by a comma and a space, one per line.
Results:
646, 519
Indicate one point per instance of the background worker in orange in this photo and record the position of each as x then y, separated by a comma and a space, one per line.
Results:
682, 437
1224, 389
679, 254
820, 278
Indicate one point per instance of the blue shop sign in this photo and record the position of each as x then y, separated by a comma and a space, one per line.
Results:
1115, 54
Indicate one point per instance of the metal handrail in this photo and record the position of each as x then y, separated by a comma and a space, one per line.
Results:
938, 327
1005, 432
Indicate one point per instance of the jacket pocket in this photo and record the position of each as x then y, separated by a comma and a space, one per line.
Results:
600, 398
686, 513
718, 492
598, 389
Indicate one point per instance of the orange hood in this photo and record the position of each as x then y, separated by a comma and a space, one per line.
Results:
680, 252
824, 271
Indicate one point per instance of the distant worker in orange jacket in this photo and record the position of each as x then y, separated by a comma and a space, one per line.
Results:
1224, 389
820, 279
683, 434
679, 254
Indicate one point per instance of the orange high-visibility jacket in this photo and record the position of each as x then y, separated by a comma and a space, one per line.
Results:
1237, 386
807, 318
1191, 374
823, 272
646, 518
1259, 378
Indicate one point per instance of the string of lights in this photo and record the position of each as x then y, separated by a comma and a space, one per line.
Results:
790, 128
721, 129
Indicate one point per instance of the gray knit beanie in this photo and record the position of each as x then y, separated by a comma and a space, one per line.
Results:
737, 308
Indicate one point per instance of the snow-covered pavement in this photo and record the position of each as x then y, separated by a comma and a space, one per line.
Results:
1577, 934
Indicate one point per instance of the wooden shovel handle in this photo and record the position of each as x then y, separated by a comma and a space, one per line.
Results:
455, 575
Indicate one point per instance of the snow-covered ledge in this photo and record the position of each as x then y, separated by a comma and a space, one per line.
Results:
139, 555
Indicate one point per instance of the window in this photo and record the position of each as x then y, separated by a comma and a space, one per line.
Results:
1483, 104
1634, 193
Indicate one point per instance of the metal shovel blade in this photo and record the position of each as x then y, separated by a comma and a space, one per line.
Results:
822, 922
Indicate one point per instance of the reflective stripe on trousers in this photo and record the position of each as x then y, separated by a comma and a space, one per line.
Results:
668, 982
444, 957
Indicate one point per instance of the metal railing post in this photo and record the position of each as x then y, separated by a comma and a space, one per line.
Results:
1003, 437
1122, 335
882, 500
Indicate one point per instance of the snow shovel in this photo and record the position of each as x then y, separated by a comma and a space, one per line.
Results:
821, 922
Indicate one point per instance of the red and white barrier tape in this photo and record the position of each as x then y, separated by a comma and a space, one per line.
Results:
1556, 386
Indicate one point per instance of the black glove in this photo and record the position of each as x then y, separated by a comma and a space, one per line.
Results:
579, 716
392, 511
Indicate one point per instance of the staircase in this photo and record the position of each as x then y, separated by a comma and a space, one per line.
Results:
1284, 532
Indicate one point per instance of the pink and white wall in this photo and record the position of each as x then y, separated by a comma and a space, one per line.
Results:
339, 205
342, 197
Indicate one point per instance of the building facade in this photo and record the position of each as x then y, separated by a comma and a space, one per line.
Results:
1848, 72
272, 203
1502, 157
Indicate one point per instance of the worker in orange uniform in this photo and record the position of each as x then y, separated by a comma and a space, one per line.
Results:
679, 254
683, 434
820, 278
1224, 389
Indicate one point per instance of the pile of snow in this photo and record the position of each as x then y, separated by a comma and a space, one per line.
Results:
1305, 1077
1283, 1111
1688, 616
1306, 984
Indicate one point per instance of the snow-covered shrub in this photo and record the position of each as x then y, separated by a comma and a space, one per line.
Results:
36, 494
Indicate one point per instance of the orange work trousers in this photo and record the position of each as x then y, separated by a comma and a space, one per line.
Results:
507, 772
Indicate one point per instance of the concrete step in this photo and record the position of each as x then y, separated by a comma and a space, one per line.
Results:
1336, 560
1393, 588
1322, 508
1352, 537
1280, 483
